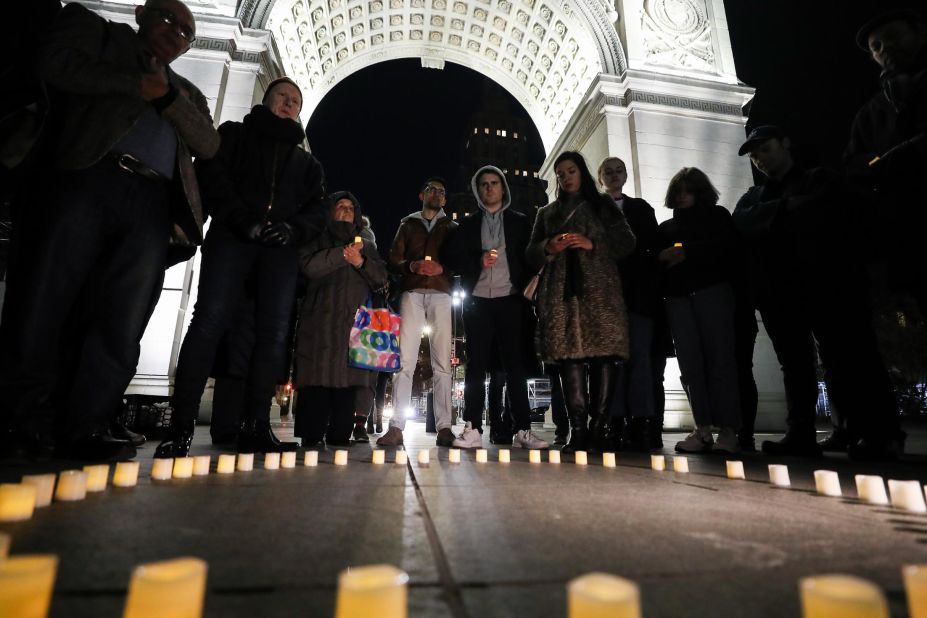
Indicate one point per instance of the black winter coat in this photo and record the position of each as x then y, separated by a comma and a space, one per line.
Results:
640, 270
464, 253
262, 174
710, 242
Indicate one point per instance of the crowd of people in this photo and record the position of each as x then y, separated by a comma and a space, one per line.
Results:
602, 293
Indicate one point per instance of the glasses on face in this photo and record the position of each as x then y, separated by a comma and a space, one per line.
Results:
171, 20
436, 190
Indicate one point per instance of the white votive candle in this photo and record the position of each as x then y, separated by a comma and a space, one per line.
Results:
201, 464
44, 487
453, 455
26, 584
17, 501
311, 459
608, 460
402, 458
907, 495
183, 467
126, 474
174, 588
226, 464
427, 258
735, 470
580, 458
379, 457
505, 455
915, 587
871, 489
378, 590
600, 595
534, 456
658, 463
681, 464
162, 469
97, 476
827, 483
72, 486
245, 462
424, 457
341, 457
482, 455
271, 461
841, 596
779, 475
288, 459
553, 456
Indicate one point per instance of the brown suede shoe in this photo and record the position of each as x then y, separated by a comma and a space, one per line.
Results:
393, 437
445, 437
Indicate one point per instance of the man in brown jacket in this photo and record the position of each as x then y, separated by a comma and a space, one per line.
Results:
118, 184
426, 301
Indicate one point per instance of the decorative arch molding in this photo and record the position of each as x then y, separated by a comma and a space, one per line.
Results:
546, 53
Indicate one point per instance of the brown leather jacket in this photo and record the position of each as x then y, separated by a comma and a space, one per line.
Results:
413, 242
94, 64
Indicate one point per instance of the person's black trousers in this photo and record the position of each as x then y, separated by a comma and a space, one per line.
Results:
325, 412
105, 229
488, 321
227, 263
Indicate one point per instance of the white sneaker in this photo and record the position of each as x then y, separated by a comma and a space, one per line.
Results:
699, 441
727, 441
525, 438
470, 438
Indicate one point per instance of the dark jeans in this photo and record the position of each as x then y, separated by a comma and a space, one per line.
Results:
488, 321
498, 408
745, 331
322, 411
703, 331
227, 263
557, 403
230, 369
633, 396
107, 230
839, 319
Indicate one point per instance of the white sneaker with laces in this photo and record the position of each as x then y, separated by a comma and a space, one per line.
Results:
525, 438
727, 442
699, 441
470, 438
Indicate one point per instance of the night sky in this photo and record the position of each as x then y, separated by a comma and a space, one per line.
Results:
380, 132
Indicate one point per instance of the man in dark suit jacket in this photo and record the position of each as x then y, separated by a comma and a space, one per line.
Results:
119, 186
488, 251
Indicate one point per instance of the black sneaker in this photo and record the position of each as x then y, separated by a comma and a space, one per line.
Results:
837, 442
877, 451
360, 434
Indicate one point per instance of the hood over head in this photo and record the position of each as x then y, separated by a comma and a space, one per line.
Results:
507, 194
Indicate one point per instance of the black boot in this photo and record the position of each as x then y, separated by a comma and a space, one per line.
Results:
638, 434
602, 376
179, 440
121, 432
258, 437
573, 376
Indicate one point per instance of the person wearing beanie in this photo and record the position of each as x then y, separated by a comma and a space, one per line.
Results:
266, 196
488, 251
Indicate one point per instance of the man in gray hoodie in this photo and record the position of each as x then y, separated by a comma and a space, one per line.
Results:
488, 251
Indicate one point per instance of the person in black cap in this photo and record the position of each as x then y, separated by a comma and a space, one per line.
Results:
888, 147
808, 284
266, 195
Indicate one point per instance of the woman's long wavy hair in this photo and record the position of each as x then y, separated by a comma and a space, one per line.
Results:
587, 184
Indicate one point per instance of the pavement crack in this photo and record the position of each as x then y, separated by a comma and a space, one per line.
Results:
450, 586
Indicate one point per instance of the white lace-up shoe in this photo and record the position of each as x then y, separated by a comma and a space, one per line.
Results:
470, 438
525, 438
699, 441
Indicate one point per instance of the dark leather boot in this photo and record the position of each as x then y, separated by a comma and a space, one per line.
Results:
602, 376
179, 440
638, 434
121, 432
573, 376
258, 437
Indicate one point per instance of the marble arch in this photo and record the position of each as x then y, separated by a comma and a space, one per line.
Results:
546, 53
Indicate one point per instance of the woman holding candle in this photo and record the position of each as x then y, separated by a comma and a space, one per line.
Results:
698, 248
582, 324
343, 268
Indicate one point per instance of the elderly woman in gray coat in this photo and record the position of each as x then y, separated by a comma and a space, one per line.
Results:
582, 321
333, 397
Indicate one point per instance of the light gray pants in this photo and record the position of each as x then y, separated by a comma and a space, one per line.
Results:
703, 332
417, 310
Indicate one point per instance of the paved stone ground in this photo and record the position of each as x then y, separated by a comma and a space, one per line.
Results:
481, 540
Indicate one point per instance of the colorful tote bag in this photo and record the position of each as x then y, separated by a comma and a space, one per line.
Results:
374, 342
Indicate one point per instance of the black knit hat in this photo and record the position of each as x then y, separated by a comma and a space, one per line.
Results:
909, 16
283, 80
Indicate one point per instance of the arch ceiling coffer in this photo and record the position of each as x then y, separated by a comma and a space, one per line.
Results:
545, 52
